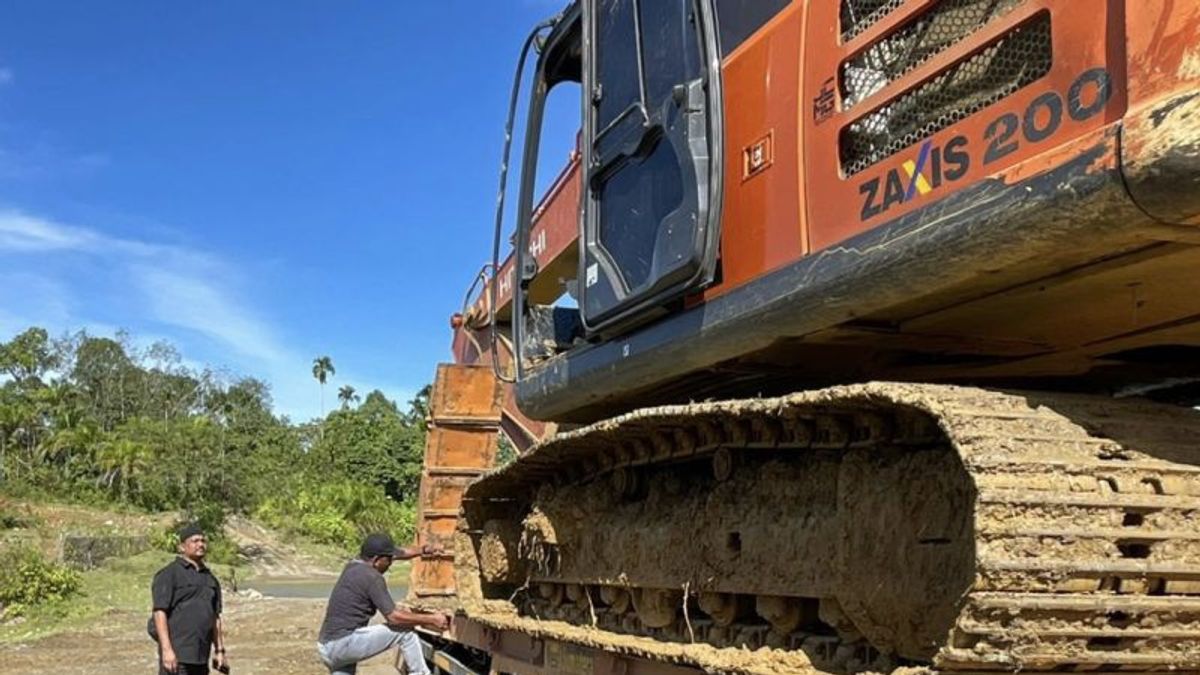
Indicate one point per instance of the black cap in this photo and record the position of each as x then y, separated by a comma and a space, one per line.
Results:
190, 530
378, 544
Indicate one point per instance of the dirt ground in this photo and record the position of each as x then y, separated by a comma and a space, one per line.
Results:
269, 635
274, 635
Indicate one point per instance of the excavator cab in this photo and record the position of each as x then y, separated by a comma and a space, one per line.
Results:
651, 160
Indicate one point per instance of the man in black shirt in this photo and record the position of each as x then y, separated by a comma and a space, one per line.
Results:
187, 610
361, 591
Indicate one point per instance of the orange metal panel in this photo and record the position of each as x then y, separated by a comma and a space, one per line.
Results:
840, 207
1164, 48
763, 224
439, 527
470, 346
460, 447
443, 493
465, 392
433, 577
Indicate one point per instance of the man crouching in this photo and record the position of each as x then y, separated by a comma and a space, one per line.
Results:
345, 638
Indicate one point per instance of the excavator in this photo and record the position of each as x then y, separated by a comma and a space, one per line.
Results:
855, 336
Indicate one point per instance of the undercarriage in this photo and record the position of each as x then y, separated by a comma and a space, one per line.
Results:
853, 529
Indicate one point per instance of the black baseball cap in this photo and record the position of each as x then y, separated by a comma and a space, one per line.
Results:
377, 544
189, 530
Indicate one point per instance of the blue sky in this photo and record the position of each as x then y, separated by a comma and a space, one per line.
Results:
257, 182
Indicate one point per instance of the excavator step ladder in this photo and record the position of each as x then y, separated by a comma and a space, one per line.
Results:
461, 444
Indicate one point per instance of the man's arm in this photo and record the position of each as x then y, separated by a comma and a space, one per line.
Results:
219, 636
219, 644
402, 618
395, 616
218, 632
162, 595
164, 641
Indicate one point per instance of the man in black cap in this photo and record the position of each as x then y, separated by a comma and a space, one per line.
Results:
187, 610
361, 591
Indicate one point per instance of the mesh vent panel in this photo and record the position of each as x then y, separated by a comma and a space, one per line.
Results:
859, 15
1014, 61
915, 43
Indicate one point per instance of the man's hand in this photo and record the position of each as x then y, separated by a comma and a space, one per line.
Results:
438, 622
221, 663
411, 552
404, 618
170, 662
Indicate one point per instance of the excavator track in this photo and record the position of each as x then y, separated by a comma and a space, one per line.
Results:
857, 528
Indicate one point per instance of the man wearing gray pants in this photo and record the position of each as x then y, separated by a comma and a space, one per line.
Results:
345, 638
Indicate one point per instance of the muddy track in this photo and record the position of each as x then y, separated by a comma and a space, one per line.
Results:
856, 528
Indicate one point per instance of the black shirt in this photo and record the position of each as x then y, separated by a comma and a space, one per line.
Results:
358, 594
191, 597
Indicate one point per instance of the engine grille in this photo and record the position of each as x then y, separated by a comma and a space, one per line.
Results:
859, 15
915, 43
1017, 59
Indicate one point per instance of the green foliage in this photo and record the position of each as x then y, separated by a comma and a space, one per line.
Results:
11, 518
323, 369
506, 452
27, 579
347, 395
165, 539
99, 420
211, 518
11, 521
28, 355
372, 444
339, 513
221, 549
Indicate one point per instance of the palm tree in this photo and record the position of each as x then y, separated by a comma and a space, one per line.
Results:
347, 396
124, 463
322, 370
74, 448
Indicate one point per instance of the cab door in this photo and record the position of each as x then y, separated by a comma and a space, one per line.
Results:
651, 143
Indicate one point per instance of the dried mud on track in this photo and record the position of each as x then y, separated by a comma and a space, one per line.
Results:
972, 529
271, 635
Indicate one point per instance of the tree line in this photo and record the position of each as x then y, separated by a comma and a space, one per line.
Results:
99, 419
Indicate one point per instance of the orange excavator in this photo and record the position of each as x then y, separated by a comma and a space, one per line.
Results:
856, 336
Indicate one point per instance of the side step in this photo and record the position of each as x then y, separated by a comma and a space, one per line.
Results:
440, 662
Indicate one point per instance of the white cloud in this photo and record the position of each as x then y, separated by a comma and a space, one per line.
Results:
179, 287
181, 294
172, 286
191, 301
23, 233
6, 76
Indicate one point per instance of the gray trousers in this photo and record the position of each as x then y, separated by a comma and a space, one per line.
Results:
342, 655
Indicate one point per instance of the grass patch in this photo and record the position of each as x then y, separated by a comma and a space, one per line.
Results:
120, 585
328, 556
13, 521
